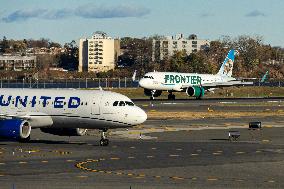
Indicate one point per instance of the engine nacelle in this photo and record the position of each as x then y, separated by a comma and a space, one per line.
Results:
195, 91
154, 93
64, 131
15, 129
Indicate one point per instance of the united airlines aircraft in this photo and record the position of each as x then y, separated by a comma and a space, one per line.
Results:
65, 112
192, 84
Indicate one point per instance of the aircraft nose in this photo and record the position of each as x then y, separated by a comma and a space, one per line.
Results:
141, 116
142, 83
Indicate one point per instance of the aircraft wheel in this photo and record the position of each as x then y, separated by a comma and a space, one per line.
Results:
104, 142
171, 97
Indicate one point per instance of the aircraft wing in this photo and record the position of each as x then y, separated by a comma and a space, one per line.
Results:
21, 115
36, 119
221, 84
226, 84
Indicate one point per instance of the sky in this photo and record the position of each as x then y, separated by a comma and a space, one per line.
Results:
66, 20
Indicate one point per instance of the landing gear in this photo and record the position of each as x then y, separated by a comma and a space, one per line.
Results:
152, 94
104, 141
171, 96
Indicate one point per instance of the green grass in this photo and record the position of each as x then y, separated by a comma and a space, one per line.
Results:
230, 92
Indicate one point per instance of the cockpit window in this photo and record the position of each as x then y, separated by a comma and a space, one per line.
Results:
128, 103
149, 77
121, 103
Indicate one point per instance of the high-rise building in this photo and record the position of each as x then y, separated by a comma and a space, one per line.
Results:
167, 46
99, 53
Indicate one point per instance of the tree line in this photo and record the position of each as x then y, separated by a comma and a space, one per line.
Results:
253, 59
68, 59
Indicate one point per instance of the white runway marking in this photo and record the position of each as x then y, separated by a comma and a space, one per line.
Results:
228, 102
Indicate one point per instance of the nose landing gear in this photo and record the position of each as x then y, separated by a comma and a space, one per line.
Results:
104, 141
171, 96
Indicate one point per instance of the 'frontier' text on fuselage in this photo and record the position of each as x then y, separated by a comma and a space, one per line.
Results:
172, 79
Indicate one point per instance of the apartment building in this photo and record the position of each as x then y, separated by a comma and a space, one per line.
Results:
98, 53
17, 62
167, 46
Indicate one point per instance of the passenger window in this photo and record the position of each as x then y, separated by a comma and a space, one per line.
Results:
115, 103
121, 103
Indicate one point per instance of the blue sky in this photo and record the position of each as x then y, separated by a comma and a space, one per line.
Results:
65, 20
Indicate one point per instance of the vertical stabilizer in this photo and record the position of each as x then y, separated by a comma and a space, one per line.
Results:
227, 66
264, 77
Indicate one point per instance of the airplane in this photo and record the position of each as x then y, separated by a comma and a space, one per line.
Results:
193, 84
65, 112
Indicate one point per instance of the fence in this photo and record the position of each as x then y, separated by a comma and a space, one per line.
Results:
94, 83
70, 83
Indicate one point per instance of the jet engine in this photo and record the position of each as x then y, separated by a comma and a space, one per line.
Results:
195, 91
15, 129
154, 93
64, 131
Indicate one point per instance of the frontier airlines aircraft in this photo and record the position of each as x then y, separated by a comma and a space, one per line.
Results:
193, 84
65, 112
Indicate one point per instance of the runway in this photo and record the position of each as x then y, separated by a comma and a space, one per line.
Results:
162, 153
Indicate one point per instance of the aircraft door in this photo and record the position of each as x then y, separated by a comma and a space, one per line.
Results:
96, 105
106, 105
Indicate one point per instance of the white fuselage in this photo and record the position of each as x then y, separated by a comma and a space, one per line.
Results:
174, 81
95, 109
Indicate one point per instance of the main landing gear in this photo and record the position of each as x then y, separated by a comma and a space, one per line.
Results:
171, 96
152, 94
104, 141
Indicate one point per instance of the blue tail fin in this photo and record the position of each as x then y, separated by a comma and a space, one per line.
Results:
264, 78
227, 66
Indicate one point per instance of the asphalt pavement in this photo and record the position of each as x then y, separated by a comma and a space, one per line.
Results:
193, 153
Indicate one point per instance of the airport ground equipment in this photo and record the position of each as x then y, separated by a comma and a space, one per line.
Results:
234, 135
255, 125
